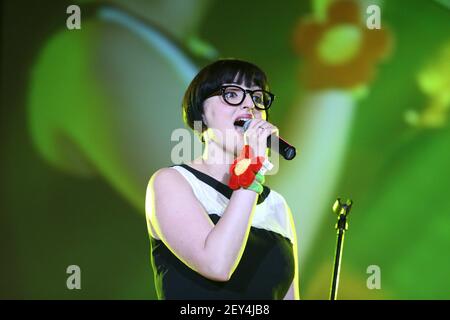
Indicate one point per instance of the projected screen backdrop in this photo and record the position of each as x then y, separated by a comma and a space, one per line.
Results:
91, 95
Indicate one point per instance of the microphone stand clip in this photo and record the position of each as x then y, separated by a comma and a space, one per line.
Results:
342, 210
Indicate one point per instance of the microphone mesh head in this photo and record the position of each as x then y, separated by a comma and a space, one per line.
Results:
246, 124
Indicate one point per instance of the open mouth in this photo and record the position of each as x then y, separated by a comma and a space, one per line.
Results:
239, 125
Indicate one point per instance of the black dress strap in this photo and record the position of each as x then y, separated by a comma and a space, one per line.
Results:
219, 186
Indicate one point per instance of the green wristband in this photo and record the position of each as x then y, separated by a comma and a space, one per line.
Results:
255, 186
259, 178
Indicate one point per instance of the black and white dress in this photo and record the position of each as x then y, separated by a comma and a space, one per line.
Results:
267, 267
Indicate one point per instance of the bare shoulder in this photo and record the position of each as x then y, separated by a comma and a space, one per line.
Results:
170, 180
164, 184
166, 177
162, 212
168, 184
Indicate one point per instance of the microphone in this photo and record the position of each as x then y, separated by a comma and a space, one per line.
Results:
285, 149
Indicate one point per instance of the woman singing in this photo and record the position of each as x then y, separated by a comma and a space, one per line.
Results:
216, 231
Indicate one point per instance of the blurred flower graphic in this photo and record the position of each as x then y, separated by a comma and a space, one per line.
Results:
434, 81
340, 52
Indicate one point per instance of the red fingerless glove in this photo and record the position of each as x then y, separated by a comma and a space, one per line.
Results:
244, 168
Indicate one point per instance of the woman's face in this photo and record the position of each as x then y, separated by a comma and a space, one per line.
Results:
219, 117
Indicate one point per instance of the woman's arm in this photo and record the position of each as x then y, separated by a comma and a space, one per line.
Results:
182, 224
290, 294
293, 292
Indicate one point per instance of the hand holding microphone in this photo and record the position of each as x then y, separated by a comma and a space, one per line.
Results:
256, 132
269, 133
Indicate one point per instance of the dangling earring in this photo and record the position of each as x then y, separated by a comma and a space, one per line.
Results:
202, 136
205, 135
204, 131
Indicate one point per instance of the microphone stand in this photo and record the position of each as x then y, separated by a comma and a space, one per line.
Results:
342, 210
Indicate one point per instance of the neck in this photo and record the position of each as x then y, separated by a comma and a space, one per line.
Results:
216, 161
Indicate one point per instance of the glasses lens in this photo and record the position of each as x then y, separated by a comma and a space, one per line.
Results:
233, 95
262, 99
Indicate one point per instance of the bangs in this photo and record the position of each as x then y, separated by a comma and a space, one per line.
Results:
232, 72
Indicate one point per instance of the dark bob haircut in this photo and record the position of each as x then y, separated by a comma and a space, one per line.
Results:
211, 77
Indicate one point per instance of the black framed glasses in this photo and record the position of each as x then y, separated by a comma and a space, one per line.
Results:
235, 95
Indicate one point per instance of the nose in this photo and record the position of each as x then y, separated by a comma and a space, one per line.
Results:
248, 101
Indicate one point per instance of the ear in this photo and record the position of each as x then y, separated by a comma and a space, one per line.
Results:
204, 120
